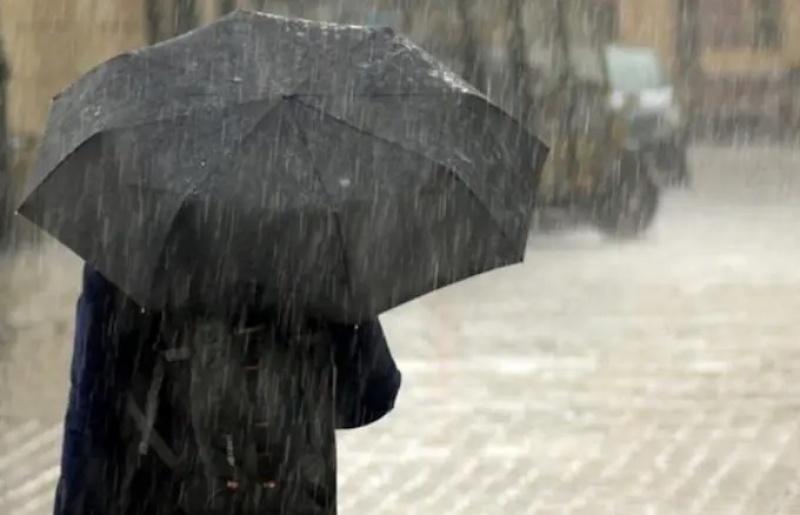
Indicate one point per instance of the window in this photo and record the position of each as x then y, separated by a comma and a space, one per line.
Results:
740, 23
722, 24
635, 69
767, 24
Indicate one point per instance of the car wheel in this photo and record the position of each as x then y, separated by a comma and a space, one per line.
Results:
633, 200
684, 177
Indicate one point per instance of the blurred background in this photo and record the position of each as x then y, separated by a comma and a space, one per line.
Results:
642, 360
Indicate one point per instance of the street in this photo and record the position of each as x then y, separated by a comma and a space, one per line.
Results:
654, 376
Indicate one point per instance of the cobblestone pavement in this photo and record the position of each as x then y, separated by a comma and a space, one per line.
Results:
656, 376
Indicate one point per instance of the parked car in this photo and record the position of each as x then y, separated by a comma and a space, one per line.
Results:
594, 173
642, 92
597, 172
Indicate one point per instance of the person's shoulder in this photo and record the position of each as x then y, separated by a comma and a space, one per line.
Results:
105, 302
95, 285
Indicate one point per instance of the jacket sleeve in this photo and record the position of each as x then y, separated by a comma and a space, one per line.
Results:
367, 378
102, 359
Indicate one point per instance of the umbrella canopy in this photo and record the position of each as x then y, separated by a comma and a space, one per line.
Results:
336, 168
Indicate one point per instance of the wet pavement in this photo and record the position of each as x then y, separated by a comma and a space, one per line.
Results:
655, 376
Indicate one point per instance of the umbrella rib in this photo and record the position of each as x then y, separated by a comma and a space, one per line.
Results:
185, 196
211, 169
337, 218
143, 123
274, 103
416, 153
32, 187
160, 255
191, 112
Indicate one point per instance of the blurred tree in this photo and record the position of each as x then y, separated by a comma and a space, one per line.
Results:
6, 183
185, 16
226, 6
406, 10
688, 54
298, 7
155, 24
519, 73
768, 18
688, 34
474, 70
259, 5
606, 21
169, 18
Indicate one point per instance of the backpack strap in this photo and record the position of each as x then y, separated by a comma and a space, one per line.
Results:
145, 421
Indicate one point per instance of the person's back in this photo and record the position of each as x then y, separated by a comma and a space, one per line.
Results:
252, 416
161, 406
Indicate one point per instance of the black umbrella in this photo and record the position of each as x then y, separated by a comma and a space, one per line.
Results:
337, 168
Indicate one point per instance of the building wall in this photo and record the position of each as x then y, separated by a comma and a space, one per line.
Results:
50, 43
792, 31
746, 59
655, 23
650, 23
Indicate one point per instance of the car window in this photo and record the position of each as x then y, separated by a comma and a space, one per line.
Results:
635, 69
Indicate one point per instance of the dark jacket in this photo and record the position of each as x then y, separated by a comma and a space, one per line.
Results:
113, 343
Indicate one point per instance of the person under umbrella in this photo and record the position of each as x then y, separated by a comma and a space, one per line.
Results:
114, 345
259, 191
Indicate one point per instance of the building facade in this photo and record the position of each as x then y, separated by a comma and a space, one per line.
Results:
735, 59
50, 43
717, 49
